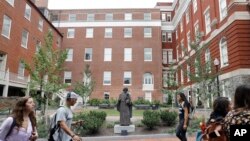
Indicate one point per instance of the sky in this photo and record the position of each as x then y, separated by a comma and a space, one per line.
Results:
102, 4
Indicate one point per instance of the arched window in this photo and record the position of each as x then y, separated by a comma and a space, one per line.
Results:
148, 78
223, 52
208, 60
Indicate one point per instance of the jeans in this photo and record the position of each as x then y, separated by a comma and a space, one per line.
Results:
180, 132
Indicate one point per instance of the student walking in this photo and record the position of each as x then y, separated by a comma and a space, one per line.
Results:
21, 125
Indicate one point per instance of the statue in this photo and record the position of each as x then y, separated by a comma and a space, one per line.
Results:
124, 106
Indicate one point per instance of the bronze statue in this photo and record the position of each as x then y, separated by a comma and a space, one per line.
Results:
124, 106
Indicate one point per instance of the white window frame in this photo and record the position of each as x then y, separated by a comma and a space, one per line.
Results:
107, 77
89, 32
189, 40
168, 17
71, 33
27, 12
67, 76
187, 16
222, 9
40, 24
90, 17
181, 26
182, 77
21, 69
163, 16
182, 48
147, 16
208, 60
164, 36
195, 5
170, 37
24, 40
147, 32
38, 46
107, 54
70, 55
148, 54
128, 16
127, 76
223, 52
176, 33
127, 54
106, 95
108, 33
196, 30
207, 20
188, 73
11, 2
109, 17
148, 78
72, 17
6, 28
88, 54
128, 32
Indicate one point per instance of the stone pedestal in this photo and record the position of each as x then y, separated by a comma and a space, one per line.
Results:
118, 128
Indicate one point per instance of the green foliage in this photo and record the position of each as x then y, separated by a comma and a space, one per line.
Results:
151, 118
92, 122
42, 129
85, 88
170, 98
168, 117
141, 101
105, 101
94, 102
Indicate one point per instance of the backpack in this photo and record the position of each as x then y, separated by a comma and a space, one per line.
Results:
52, 128
13, 124
214, 132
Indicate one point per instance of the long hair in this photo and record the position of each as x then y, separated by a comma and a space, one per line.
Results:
183, 97
242, 97
19, 110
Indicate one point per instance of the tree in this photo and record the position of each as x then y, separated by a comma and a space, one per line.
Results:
45, 70
86, 87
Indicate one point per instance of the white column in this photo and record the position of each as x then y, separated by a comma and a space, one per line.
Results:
6, 87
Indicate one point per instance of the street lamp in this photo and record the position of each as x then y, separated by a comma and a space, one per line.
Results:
217, 63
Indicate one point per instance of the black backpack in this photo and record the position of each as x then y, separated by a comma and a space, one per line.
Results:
53, 129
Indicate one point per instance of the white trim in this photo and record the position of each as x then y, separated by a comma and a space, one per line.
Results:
107, 24
238, 72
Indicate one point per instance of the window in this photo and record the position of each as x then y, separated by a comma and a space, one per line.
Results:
11, 2
127, 78
163, 16
223, 52
207, 21
109, 17
147, 54
40, 24
148, 96
188, 73
90, 17
106, 95
25, 35
88, 54
107, 54
6, 26
181, 25
168, 17
108, 33
38, 46
167, 56
89, 33
71, 33
169, 37
127, 54
197, 31
176, 34
164, 37
54, 18
148, 78
107, 78
195, 5
69, 55
67, 77
223, 9
20, 69
58, 42
208, 60
27, 13
128, 16
189, 41
196, 67
182, 48
187, 17
147, 32
127, 32
147, 16
72, 17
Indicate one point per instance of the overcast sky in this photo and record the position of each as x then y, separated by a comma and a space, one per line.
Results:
99, 4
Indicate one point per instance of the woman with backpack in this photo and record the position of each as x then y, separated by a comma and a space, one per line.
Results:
240, 115
21, 125
184, 106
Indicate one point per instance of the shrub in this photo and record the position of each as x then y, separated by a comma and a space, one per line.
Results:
42, 129
94, 102
141, 101
99, 114
168, 117
151, 118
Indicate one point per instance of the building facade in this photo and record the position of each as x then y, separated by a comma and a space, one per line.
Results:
23, 28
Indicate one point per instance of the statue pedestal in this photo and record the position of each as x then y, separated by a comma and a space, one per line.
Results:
118, 128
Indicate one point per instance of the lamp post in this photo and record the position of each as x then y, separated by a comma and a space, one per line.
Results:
217, 63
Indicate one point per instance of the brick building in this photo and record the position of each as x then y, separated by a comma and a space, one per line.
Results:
23, 28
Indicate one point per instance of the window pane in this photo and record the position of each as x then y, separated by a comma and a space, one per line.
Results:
27, 13
127, 77
127, 54
90, 17
69, 55
147, 16
107, 54
147, 32
109, 17
147, 54
25, 35
71, 33
108, 32
127, 32
88, 54
107, 78
89, 33
6, 26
